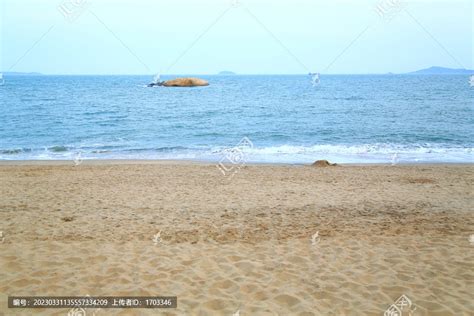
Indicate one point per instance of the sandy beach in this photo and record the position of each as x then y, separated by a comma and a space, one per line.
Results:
242, 244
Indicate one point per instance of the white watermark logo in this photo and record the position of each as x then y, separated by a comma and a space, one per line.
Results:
157, 238
72, 9
471, 80
402, 306
77, 311
394, 159
388, 9
471, 239
2, 238
235, 3
315, 238
315, 79
234, 158
157, 78
2, 81
77, 159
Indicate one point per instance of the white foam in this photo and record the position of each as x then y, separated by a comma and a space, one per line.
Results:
376, 153
365, 153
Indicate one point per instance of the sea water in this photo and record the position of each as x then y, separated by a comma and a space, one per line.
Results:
284, 118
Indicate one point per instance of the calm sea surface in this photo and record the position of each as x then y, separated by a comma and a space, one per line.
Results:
349, 118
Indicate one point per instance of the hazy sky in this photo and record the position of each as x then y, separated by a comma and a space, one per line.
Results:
255, 37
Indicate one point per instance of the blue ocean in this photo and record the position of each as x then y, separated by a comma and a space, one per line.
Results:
283, 118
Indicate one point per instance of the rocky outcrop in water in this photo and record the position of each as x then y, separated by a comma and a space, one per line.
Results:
323, 163
182, 82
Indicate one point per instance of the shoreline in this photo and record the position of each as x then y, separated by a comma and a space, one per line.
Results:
65, 162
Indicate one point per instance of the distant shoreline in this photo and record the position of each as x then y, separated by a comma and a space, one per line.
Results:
236, 75
434, 70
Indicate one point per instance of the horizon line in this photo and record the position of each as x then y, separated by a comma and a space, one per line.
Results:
230, 75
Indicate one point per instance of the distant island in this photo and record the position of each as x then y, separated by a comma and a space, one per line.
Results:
434, 70
442, 71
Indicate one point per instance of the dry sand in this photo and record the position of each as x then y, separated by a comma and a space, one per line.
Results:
240, 244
